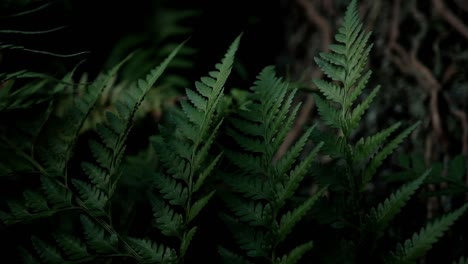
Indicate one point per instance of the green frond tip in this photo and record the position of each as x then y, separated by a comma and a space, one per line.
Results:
384, 153
296, 254
421, 242
387, 210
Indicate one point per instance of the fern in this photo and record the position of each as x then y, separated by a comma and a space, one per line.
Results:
265, 185
384, 212
184, 147
421, 242
91, 197
355, 164
110, 150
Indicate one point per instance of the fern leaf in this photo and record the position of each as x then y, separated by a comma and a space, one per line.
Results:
385, 211
35, 202
18, 210
330, 115
230, 257
253, 188
357, 113
46, 252
357, 90
337, 59
296, 176
98, 176
247, 143
92, 197
334, 72
387, 150
151, 252
73, 248
96, 237
331, 91
421, 242
186, 239
290, 219
60, 150
247, 126
172, 190
286, 162
57, 195
296, 254
193, 114
205, 173
366, 147
197, 206
107, 135
198, 101
166, 219
253, 213
282, 131
102, 154
247, 162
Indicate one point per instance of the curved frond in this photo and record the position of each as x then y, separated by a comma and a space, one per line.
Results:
421, 242
386, 211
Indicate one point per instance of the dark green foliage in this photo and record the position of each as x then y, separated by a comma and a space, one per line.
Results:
184, 151
264, 185
356, 164
97, 203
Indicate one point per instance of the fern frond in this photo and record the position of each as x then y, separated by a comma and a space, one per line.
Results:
58, 196
150, 252
253, 188
329, 114
253, 213
73, 248
295, 254
254, 242
173, 191
286, 162
166, 219
386, 211
230, 257
421, 242
186, 239
365, 148
46, 252
330, 90
357, 113
54, 198
384, 152
59, 151
96, 237
296, 176
35, 201
92, 197
197, 206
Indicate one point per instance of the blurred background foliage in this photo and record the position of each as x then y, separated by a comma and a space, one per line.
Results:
420, 56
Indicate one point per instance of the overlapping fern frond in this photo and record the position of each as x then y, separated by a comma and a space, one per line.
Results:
184, 147
420, 243
264, 186
356, 164
103, 172
337, 103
